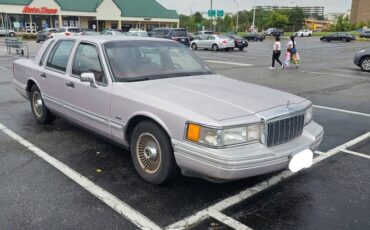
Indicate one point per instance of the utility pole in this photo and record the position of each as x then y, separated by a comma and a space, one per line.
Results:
211, 15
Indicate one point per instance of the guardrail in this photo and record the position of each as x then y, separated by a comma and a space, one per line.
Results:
17, 44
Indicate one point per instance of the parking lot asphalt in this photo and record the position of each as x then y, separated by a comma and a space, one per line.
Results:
333, 194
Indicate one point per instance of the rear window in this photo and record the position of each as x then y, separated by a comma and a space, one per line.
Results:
58, 58
179, 33
74, 30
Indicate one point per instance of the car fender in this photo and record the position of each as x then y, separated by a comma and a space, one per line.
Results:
150, 115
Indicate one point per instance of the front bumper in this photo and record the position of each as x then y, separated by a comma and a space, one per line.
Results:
243, 161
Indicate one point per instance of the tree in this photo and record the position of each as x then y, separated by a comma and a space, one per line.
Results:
296, 18
277, 20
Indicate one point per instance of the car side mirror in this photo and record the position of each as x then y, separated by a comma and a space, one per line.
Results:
89, 77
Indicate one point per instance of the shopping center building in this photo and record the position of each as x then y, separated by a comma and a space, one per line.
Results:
32, 15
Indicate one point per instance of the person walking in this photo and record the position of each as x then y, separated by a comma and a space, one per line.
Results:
292, 47
276, 53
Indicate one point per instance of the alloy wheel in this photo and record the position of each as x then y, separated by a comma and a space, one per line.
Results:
148, 153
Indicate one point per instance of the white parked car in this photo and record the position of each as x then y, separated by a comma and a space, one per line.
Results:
303, 33
5, 32
65, 32
139, 33
213, 42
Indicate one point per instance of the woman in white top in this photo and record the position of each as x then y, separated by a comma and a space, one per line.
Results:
276, 53
293, 50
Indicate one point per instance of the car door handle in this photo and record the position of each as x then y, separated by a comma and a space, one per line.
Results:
70, 84
43, 75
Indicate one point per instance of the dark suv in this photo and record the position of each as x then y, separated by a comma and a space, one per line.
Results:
175, 34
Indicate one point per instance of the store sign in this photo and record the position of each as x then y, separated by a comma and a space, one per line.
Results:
37, 10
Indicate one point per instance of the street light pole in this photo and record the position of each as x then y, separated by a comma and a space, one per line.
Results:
237, 16
254, 18
211, 15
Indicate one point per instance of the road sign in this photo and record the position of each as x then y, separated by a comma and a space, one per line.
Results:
214, 22
220, 13
211, 13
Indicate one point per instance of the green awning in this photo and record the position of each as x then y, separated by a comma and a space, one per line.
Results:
144, 9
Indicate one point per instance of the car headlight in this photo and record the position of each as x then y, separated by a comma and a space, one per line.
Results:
214, 137
308, 115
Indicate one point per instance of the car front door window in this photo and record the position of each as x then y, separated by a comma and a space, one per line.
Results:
87, 61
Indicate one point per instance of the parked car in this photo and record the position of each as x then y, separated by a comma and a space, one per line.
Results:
273, 32
303, 33
213, 42
174, 113
113, 32
365, 34
139, 33
362, 59
205, 32
176, 34
7, 32
65, 32
340, 36
254, 37
240, 43
45, 34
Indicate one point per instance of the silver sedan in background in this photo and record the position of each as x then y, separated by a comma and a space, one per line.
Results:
213, 42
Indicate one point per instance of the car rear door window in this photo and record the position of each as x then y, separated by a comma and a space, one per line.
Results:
58, 59
87, 60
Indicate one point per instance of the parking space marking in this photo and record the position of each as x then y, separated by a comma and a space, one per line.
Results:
342, 110
347, 71
335, 74
112, 201
356, 153
245, 194
3, 68
232, 223
229, 63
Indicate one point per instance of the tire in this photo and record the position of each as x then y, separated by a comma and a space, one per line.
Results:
302, 35
215, 47
365, 64
37, 40
325, 40
194, 46
241, 48
152, 153
12, 34
344, 40
227, 49
39, 110
309, 35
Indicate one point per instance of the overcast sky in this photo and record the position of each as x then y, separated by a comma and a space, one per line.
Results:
186, 6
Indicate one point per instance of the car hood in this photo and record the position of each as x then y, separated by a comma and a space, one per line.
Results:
215, 96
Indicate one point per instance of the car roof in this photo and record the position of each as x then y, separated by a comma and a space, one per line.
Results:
108, 38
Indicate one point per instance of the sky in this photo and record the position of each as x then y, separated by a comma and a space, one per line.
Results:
188, 6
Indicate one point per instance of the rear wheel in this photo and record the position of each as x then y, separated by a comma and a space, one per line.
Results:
365, 64
215, 47
152, 153
39, 110
194, 46
241, 48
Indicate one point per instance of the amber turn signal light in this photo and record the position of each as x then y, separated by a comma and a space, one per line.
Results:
193, 133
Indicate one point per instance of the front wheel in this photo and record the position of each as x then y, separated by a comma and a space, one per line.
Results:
12, 34
215, 47
39, 110
152, 153
194, 46
365, 64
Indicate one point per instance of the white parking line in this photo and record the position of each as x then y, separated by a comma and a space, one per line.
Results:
229, 63
335, 74
342, 110
122, 208
228, 202
346, 70
3, 68
356, 153
228, 221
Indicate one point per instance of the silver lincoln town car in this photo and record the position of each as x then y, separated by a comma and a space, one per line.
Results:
158, 99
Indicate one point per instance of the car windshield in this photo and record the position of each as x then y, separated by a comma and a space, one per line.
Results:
148, 60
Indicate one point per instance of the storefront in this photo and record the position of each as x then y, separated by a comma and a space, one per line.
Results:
30, 16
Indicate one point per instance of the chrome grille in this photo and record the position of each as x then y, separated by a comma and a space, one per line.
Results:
284, 130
